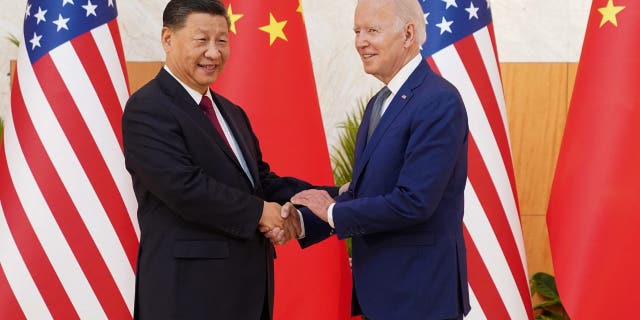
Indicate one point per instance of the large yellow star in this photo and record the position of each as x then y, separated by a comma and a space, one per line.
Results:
609, 13
274, 29
299, 6
233, 18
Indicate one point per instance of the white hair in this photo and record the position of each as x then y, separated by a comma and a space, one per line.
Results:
410, 11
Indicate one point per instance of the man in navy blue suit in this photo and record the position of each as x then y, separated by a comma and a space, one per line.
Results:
404, 206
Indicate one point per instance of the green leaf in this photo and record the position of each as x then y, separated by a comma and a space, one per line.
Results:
343, 153
546, 285
13, 39
545, 304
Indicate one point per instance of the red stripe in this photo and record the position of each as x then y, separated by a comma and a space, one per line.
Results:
488, 197
91, 59
480, 280
88, 154
115, 35
433, 65
470, 55
34, 256
9, 307
67, 215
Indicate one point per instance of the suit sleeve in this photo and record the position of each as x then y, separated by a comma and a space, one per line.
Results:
158, 158
438, 138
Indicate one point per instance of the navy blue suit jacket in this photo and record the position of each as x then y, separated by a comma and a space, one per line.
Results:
405, 203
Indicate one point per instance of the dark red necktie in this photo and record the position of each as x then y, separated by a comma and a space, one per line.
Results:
207, 107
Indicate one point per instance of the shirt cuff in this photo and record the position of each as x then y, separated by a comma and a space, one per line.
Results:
330, 215
302, 232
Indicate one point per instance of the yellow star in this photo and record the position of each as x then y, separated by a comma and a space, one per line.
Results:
609, 13
299, 6
274, 29
233, 18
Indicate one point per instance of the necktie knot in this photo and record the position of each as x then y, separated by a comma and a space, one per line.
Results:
206, 105
376, 113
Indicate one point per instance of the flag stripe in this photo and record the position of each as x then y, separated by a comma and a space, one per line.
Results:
75, 109
103, 40
86, 52
477, 71
476, 312
452, 68
110, 152
115, 38
55, 167
38, 215
9, 307
479, 220
480, 281
84, 175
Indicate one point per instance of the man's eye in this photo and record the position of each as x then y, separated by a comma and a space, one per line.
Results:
372, 30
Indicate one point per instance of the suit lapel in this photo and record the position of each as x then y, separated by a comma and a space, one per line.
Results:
183, 101
399, 102
234, 126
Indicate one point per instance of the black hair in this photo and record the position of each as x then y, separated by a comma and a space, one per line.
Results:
176, 12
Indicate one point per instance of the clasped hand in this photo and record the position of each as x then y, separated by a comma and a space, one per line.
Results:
318, 201
279, 223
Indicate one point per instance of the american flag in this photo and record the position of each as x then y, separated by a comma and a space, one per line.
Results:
461, 47
68, 230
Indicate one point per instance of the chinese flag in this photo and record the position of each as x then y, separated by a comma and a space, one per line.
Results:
269, 74
594, 210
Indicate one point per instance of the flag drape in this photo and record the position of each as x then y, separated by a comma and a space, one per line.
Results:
461, 47
593, 208
68, 230
269, 74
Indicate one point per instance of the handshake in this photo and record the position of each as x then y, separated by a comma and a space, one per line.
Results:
282, 223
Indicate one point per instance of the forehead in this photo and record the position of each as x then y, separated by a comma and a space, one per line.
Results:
205, 22
374, 12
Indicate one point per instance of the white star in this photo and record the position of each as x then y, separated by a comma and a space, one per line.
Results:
61, 22
91, 8
110, 3
40, 15
473, 11
67, 1
488, 4
425, 18
28, 13
450, 3
445, 26
35, 41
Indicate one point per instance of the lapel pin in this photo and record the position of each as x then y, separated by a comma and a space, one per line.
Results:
404, 97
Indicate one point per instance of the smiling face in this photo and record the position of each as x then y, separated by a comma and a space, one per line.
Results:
197, 51
381, 38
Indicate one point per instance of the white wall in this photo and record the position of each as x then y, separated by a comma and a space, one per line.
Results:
526, 31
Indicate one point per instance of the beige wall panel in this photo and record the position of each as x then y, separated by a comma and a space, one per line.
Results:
536, 243
141, 72
536, 96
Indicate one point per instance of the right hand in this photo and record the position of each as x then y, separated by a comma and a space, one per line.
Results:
344, 188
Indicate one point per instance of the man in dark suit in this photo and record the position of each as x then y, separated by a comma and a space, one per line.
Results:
404, 206
202, 187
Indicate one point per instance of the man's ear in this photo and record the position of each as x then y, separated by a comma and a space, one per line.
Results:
165, 37
409, 34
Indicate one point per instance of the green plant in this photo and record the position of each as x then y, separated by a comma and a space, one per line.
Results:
13, 39
550, 307
343, 153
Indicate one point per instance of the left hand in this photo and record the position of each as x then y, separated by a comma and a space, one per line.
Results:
318, 201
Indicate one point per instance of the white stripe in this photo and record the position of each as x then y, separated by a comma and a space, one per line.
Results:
86, 99
483, 40
453, 69
476, 312
491, 64
38, 212
75, 181
107, 48
18, 275
488, 246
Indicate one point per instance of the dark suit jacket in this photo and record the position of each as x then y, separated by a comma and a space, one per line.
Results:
405, 203
201, 255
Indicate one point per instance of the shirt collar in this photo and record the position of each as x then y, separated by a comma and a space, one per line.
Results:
401, 77
197, 96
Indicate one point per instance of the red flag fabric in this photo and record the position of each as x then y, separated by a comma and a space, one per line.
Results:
593, 213
68, 230
269, 74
